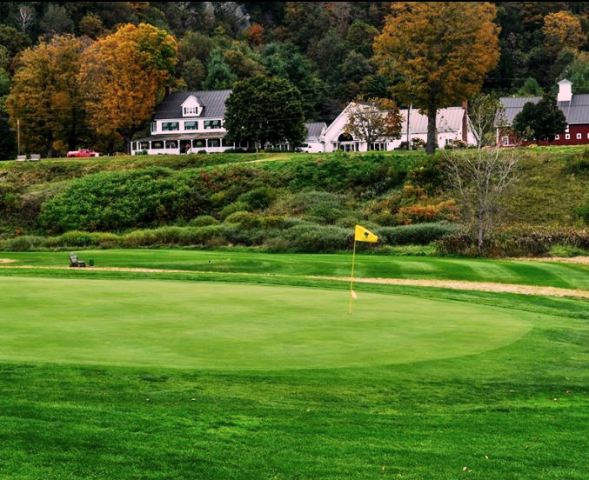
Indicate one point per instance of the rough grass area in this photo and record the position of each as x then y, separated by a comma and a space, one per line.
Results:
517, 408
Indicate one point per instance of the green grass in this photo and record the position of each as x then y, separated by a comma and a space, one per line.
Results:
251, 262
503, 390
237, 327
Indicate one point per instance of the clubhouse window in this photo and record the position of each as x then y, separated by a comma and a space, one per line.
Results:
211, 124
170, 126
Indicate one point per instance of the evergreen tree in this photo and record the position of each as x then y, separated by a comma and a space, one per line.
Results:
265, 110
540, 121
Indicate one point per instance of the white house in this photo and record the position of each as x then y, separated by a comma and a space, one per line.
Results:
187, 122
451, 123
315, 130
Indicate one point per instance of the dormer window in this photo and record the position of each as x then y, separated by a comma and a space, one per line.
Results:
191, 107
190, 111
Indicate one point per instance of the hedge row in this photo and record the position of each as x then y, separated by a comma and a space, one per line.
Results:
242, 228
516, 242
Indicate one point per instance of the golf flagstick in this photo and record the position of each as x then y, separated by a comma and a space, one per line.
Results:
360, 235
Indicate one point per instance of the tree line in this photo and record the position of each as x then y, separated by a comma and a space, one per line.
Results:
331, 52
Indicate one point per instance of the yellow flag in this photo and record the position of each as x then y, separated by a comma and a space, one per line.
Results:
363, 235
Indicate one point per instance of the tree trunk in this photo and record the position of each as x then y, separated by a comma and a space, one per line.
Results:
432, 140
480, 231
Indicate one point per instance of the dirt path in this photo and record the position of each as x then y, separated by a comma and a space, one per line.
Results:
451, 284
477, 286
6, 260
577, 260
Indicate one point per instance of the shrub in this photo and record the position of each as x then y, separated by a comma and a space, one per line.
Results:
418, 234
259, 198
203, 221
516, 241
232, 208
427, 173
23, 243
244, 219
113, 201
318, 238
560, 250
445, 210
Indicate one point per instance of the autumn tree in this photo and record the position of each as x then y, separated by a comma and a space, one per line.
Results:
562, 30
263, 110
45, 97
123, 76
374, 120
441, 52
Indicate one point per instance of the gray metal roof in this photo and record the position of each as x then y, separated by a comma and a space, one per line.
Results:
448, 120
576, 111
213, 101
314, 130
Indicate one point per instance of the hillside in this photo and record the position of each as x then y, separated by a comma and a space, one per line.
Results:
283, 202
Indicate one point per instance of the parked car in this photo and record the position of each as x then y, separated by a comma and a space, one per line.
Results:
83, 152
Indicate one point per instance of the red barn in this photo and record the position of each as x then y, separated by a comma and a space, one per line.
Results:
574, 107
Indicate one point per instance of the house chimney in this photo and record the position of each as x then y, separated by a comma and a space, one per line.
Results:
565, 91
465, 121
168, 90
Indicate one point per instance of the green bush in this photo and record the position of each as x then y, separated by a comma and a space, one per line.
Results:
114, 201
318, 238
244, 219
259, 198
203, 221
566, 251
23, 243
232, 208
417, 234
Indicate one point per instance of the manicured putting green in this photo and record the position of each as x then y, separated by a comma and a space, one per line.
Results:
235, 326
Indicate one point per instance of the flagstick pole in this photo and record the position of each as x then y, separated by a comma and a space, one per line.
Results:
352, 277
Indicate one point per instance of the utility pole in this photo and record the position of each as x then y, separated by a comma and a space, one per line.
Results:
408, 130
18, 135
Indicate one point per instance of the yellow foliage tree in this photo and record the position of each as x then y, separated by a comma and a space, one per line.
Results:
45, 98
123, 76
562, 30
437, 53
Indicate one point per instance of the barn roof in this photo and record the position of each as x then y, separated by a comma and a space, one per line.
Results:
576, 111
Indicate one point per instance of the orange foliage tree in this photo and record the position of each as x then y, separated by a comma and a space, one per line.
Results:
437, 53
562, 30
123, 76
45, 98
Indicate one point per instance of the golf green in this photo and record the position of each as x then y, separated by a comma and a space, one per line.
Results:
234, 326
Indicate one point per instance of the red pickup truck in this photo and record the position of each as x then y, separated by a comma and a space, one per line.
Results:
83, 152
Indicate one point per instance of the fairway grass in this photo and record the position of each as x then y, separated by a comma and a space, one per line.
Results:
237, 327
241, 367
